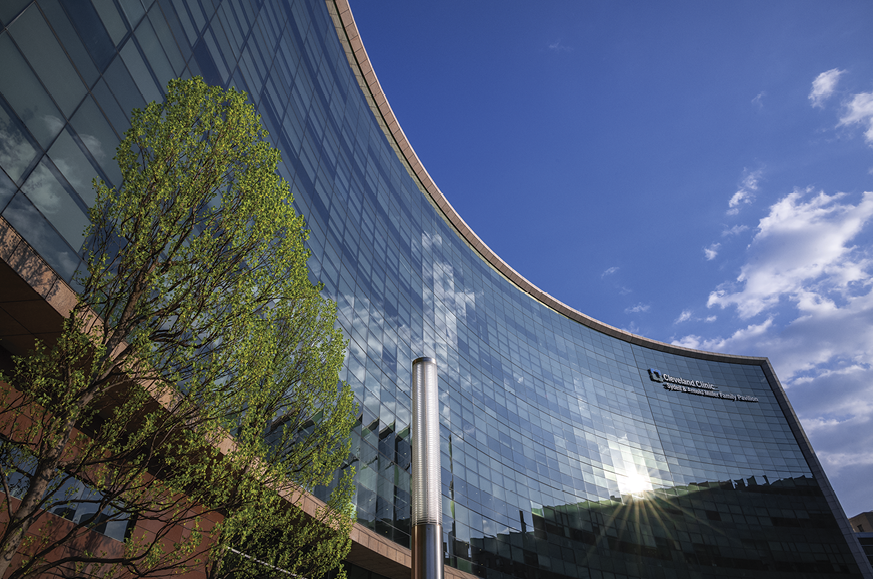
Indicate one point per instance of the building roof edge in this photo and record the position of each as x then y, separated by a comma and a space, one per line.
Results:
356, 53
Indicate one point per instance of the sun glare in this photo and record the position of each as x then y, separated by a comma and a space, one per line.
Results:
634, 484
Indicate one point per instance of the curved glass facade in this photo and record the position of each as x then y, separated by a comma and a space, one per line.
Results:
562, 454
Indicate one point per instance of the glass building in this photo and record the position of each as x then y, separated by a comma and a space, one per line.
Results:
569, 448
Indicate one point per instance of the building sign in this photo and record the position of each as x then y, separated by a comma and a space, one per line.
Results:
695, 387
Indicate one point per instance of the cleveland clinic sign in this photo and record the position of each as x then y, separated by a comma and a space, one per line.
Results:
695, 387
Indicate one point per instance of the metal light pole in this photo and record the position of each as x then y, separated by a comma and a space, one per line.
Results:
427, 527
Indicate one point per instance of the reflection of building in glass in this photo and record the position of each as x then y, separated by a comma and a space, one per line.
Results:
682, 527
866, 541
862, 524
72, 499
562, 454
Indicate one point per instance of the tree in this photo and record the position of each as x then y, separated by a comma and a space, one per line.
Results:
193, 391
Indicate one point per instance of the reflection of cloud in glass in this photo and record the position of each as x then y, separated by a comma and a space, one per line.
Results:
41, 188
69, 171
455, 300
72, 163
15, 152
33, 227
53, 124
55, 203
93, 144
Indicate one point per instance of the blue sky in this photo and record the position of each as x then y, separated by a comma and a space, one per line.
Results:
694, 172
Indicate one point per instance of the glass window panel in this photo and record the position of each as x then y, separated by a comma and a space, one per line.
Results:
111, 19
32, 34
65, 498
151, 47
123, 87
70, 40
168, 13
91, 30
194, 68
7, 190
197, 14
185, 19
55, 203
17, 463
106, 101
134, 11
219, 26
26, 96
140, 72
206, 64
16, 151
9, 9
74, 165
89, 500
112, 523
231, 26
166, 38
216, 55
38, 233
98, 137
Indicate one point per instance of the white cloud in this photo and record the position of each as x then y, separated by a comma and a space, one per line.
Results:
853, 369
804, 298
833, 343
711, 252
741, 196
735, 230
860, 111
609, 271
740, 342
823, 86
558, 47
836, 411
759, 99
633, 329
710, 319
640, 307
746, 193
690, 341
837, 460
801, 252
820, 423
683, 317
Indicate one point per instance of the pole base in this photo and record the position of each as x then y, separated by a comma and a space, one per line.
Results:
427, 551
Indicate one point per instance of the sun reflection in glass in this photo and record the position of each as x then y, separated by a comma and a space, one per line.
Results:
634, 483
